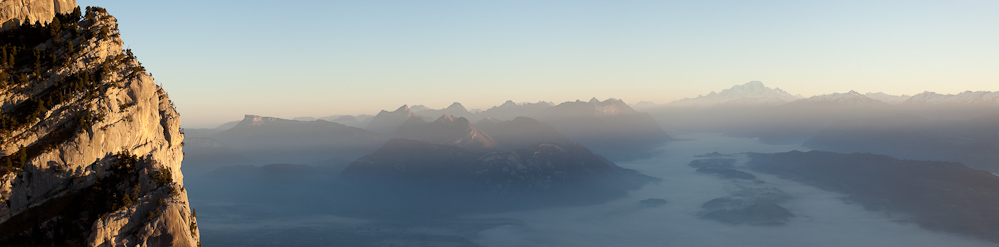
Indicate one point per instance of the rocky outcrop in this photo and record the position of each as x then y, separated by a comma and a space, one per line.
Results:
17, 12
90, 146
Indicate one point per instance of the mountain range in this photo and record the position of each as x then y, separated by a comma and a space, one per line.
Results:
261, 140
973, 142
407, 175
755, 93
447, 129
610, 127
786, 118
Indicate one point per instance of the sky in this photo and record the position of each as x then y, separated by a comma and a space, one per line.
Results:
222, 59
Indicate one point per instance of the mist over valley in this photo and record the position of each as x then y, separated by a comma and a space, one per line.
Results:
606, 170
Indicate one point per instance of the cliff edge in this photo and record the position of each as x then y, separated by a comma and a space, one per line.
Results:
17, 12
90, 146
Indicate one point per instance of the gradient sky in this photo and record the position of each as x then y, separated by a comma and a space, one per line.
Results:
222, 59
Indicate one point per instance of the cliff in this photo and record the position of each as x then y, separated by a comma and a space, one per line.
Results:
16, 12
90, 146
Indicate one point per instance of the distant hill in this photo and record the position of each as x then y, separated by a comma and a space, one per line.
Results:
275, 140
973, 142
447, 130
208, 132
521, 132
944, 196
409, 175
610, 127
358, 121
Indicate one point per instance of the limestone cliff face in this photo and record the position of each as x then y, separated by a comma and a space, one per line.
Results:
16, 12
90, 146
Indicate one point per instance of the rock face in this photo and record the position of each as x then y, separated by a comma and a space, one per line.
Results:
17, 12
90, 146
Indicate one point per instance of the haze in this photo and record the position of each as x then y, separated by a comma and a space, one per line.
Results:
566, 123
223, 59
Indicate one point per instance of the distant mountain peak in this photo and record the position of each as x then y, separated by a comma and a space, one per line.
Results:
753, 93
256, 120
386, 121
403, 108
456, 107
977, 98
594, 107
252, 118
849, 98
447, 129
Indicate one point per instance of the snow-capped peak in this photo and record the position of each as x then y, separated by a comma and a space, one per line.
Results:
752, 93
849, 98
983, 98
